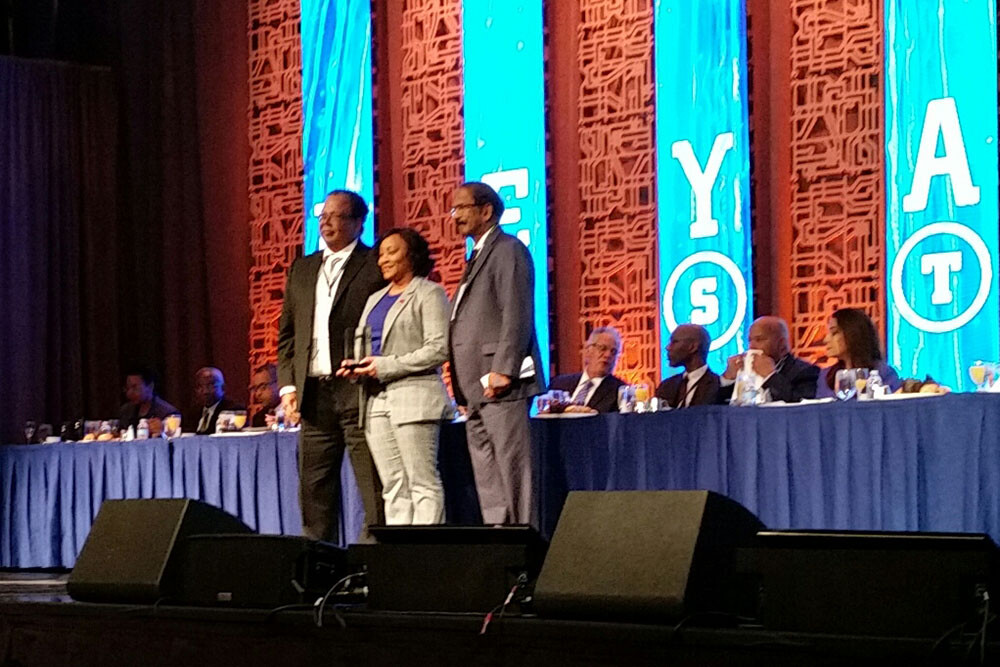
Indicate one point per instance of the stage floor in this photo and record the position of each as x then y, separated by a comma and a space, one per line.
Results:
40, 625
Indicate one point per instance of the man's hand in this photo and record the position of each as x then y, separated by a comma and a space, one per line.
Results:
582, 409
762, 365
290, 404
496, 385
733, 367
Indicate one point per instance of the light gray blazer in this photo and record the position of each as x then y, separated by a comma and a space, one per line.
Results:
414, 345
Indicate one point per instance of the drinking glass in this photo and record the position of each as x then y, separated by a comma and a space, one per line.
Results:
860, 380
626, 398
29, 432
977, 373
239, 419
642, 396
844, 384
543, 402
224, 422
172, 426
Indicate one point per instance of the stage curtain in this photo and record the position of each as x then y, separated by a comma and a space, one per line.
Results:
58, 242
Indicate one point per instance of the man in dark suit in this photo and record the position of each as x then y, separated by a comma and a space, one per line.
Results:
324, 296
495, 364
786, 377
211, 399
264, 392
596, 387
697, 385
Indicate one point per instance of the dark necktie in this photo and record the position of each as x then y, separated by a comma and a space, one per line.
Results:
469, 264
682, 393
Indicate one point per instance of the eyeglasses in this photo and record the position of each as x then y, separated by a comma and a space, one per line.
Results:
603, 348
458, 207
335, 216
260, 386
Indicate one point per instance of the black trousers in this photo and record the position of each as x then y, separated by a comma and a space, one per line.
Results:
328, 427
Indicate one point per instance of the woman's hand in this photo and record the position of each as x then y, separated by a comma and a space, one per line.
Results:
349, 368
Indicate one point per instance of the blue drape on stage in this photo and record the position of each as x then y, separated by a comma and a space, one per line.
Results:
919, 464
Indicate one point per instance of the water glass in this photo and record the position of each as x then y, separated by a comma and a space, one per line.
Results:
239, 419
29, 432
543, 402
224, 422
844, 384
626, 398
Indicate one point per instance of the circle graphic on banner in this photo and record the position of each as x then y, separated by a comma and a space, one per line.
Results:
739, 284
985, 279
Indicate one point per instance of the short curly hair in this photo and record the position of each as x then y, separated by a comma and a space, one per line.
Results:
417, 249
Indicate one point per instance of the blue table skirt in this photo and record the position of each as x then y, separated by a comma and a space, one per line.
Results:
919, 464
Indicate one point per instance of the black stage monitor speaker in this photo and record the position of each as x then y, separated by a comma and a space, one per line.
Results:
256, 571
448, 568
129, 555
651, 555
872, 583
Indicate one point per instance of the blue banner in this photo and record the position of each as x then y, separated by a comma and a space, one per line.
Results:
703, 172
336, 107
941, 187
504, 77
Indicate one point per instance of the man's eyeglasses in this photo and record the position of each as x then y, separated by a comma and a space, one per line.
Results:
603, 348
260, 386
458, 207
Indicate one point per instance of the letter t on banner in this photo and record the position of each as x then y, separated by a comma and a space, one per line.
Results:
941, 187
703, 171
505, 126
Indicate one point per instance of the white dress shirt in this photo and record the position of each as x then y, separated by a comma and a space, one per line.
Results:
593, 384
693, 378
327, 281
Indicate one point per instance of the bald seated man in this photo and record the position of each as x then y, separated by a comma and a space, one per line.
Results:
787, 378
697, 385
211, 399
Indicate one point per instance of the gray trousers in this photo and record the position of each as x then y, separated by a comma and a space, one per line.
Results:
405, 456
499, 437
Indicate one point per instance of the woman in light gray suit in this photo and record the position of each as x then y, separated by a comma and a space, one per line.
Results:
406, 398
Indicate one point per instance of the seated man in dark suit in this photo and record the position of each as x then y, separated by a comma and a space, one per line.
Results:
697, 385
596, 388
264, 392
210, 397
786, 377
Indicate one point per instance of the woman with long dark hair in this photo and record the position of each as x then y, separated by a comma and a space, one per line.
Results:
852, 339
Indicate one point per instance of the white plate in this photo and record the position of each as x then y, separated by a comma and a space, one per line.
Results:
565, 415
804, 401
236, 434
902, 397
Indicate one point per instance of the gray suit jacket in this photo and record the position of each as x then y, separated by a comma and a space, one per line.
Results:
493, 324
414, 345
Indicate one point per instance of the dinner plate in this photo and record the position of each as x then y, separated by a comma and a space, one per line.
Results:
565, 415
901, 397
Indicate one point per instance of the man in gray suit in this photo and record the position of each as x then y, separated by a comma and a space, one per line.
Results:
495, 365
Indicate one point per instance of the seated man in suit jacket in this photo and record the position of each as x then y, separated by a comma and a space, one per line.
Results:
211, 399
786, 377
596, 388
697, 385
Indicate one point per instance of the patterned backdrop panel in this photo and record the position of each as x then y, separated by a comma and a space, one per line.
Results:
275, 114
837, 165
432, 132
617, 226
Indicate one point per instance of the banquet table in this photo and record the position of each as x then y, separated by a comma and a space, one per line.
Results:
928, 464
